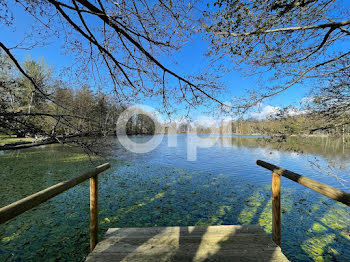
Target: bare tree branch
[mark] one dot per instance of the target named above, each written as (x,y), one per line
(288,29)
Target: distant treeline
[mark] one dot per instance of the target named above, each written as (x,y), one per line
(303,124)
(57,110)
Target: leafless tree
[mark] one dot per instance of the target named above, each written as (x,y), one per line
(287,43)
(127,41)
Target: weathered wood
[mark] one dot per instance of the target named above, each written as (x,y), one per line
(93,212)
(26,145)
(17,143)
(192,231)
(243,255)
(319,187)
(195,243)
(134,244)
(276,208)
(49,141)
(19,207)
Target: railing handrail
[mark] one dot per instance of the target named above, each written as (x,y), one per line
(319,187)
(16,208)
(13,210)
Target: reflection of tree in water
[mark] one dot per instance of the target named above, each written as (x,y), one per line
(313,227)
(141,195)
(322,146)
(333,152)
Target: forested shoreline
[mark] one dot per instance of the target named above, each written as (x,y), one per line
(300,125)
(61,112)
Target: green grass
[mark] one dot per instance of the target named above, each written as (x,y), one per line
(5,139)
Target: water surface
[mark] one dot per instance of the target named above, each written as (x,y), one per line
(163,188)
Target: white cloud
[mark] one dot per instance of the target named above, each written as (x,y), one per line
(264,112)
(180,120)
(295,112)
(227,119)
(307,99)
(205,121)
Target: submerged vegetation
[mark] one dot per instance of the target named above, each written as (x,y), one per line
(139,193)
(121,54)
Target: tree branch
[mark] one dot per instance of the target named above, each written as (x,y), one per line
(287,29)
(107,20)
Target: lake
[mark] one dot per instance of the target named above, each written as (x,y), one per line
(162,188)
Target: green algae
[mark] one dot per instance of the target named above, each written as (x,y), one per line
(12,139)
(316,227)
(313,228)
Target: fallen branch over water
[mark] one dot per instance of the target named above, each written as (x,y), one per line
(22,146)
(48,141)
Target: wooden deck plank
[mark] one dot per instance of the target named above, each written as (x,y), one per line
(213,243)
(190,230)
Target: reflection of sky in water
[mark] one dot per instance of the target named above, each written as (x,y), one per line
(237,156)
(224,186)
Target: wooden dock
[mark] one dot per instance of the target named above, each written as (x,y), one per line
(199,243)
(193,243)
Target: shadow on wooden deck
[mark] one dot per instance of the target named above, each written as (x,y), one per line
(193,243)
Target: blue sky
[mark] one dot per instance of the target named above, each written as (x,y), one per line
(189,59)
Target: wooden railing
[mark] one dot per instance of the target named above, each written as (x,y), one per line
(319,187)
(23,205)
(19,207)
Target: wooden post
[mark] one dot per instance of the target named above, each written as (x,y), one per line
(276,208)
(10,211)
(319,187)
(93,212)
